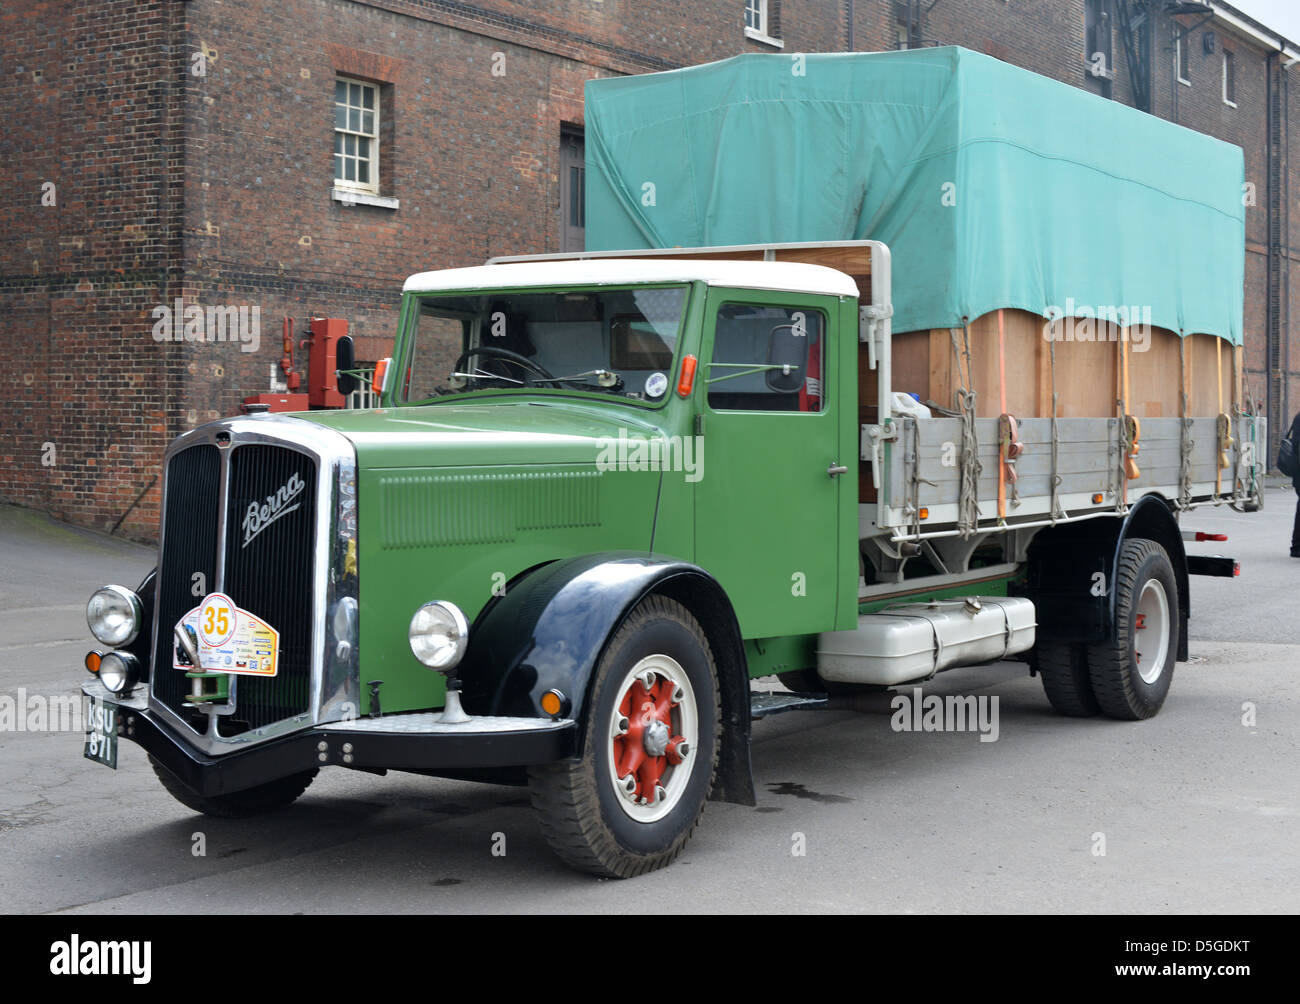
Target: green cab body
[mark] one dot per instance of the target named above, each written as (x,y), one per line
(577,471)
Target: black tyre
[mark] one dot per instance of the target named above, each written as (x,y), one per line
(238,804)
(1063,667)
(1131,674)
(631,802)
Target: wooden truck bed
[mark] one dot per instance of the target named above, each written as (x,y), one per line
(1185,392)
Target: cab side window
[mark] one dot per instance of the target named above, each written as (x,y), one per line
(767,358)
(439,341)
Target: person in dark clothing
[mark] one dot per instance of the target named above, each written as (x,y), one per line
(1294,436)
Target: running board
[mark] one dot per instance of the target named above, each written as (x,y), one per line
(763,704)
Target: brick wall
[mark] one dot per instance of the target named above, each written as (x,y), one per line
(215,186)
(89,245)
(475,102)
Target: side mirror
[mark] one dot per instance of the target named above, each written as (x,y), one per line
(345,360)
(787,348)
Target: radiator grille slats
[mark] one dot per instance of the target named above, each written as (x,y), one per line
(189,559)
(269,569)
(270,560)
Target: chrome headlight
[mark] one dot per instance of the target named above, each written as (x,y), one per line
(119,672)
(439,635)
(114,614)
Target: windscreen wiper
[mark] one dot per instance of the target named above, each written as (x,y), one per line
(604,378)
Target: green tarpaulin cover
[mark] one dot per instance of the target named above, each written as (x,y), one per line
(993,186)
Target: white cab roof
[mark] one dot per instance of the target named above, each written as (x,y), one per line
(792,277)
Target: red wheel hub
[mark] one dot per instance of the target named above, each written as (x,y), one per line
(649,747)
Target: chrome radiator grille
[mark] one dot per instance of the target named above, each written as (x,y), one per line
(267,567)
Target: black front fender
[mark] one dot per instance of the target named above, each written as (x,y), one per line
(549,630)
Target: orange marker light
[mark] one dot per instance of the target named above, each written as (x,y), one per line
(925,512)
(381,371)
(92,661)
(687,380)
(552,702)
(1096,499)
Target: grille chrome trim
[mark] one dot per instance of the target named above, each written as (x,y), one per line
(333,687)
(223,514)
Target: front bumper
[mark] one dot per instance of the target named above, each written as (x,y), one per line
(412,741)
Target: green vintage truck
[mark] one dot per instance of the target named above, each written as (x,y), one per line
(604,492)
(599,498)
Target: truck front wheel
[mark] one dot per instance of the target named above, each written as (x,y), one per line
(1131,673)
(237,804)
(631,802)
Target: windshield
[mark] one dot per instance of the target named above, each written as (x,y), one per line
(615,341)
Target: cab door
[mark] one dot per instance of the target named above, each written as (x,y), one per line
(776,487)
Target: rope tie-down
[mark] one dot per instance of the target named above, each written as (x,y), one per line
(1222,423)
(1185,441)
(969,467)
(1130,429)
(1057,512)
(1009,445)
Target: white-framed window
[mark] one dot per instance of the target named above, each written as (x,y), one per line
(760,18)
(1229,79)
(1182,62)
(356,135)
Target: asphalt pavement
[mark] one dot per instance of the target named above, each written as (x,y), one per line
(1195,810)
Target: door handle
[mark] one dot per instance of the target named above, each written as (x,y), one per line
(836,469)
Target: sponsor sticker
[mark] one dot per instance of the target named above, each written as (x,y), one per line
(231,640)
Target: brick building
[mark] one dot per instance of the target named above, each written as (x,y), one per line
(300,158)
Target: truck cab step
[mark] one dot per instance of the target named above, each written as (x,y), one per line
(763,704)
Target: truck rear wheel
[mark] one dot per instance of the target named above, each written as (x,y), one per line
(238,804)
(1063,667)
(630,804)
(1131,673)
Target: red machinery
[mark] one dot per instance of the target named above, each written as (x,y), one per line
(322,379)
